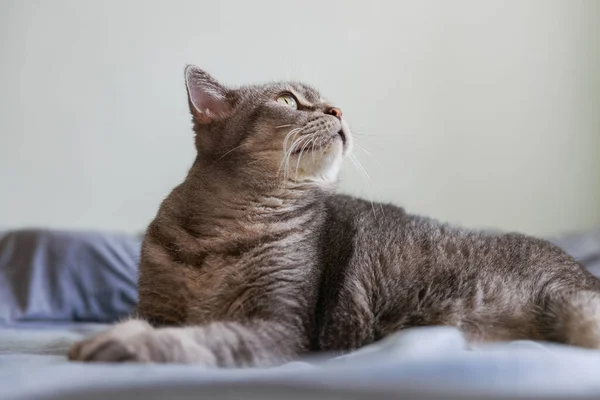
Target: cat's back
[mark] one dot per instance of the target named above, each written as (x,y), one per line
(385,269)
(398,237)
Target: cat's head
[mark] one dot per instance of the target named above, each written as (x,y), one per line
(279,132)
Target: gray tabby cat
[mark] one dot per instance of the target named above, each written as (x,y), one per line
(254,260)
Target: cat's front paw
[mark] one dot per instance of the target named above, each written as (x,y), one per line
(114,345)
(137,341)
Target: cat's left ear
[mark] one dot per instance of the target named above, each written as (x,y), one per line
(208,99)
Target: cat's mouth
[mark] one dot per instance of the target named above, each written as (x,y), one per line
(306,149)
(323,144)
(343,136)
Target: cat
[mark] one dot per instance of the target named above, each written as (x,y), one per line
(254,260)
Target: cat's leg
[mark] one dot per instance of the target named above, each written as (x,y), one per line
(220,344)
(348,322)
(572,318)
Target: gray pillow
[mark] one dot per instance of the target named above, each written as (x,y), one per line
(584,247)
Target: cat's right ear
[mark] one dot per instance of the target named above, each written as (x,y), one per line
(207,98)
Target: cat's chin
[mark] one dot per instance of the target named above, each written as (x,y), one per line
(346,138)
(328,167)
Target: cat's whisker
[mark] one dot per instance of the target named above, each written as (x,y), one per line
(368,153)
(356,164)
(358,146)
(306,140)
(365,175)
(370,182)
(301,141)
(312,137)
(229,151)
(362,169)
(311,144)
(288,135)
(288,153)
(369,135)
(312,151)
(365,171)
(284,126)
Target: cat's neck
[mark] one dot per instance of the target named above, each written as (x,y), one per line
(219,217)
(213,197)
(213,215)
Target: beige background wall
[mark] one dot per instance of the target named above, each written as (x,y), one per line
(484,113)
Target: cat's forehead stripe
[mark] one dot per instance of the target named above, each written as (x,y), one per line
(305,95)
(303,100)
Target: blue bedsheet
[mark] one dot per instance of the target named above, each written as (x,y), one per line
(424,363)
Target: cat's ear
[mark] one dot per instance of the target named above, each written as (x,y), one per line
(207,98)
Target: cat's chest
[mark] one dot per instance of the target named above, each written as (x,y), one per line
(214,286)
(224,287)
(226,279)
(190,293)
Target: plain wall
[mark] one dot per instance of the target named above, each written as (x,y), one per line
(483,113)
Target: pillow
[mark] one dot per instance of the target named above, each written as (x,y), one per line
(48,275)
(584,247)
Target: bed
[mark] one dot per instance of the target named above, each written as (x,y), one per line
(57,287)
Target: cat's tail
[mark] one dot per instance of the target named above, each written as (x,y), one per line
(573,318)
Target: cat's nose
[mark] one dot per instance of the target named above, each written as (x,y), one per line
(336,112)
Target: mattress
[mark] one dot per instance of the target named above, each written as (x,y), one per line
(420,363)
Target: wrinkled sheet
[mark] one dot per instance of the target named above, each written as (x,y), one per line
(423,363)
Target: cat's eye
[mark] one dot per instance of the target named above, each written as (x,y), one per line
(288,100)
